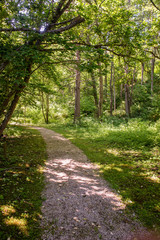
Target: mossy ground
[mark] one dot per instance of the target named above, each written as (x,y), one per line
(21,184)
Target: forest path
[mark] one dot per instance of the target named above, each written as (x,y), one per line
(79,204)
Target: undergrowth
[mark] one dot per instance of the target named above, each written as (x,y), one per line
(21,184)
(128,153)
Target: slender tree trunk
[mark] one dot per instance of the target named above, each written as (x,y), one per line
(43,106)
(111,90)
(77,90)
(127,100)
(106,85)
(142,73)
(95,93)
(152,72)
(114,88)
(121,91)
(133,80)
(100,105)
(47,108)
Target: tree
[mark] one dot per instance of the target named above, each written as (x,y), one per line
(31,26)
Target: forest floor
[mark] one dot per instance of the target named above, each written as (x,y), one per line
(78,203)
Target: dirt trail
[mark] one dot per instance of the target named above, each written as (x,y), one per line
(79,204)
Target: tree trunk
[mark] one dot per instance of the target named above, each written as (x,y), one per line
(47,108)
(114,89)
(121,91)
(127,100)
(111,90)
(152,72)
(77,90)
(42,106)
(5,103)
(133,80)
(95,93)
(10,111)
(106,85)
(142,73)
(100,105)
(15,100)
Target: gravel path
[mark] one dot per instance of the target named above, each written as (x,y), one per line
(79,204)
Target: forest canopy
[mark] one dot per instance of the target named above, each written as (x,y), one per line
(79,57)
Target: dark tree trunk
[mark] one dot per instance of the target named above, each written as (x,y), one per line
(6,102)
(10,111)
(15,100)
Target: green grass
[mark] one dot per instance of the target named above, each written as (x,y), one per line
(128,153)
(21,183)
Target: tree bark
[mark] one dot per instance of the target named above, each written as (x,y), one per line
(15,100)
(95,94)
(152,72)
(100,104)
(111,90)
(114,89)
(142,73)
(121,91)
(133,80)
(6,102)
(106,85)
(47,108)
(77,90)
(127,100)
(10,111)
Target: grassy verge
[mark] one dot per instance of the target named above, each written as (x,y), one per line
(129,157)
(21,184)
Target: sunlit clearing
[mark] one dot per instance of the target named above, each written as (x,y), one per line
(21,224)
(7,210)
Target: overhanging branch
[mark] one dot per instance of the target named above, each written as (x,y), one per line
(155,5)
(75,21)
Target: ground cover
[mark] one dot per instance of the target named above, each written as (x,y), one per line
(21,183)
(128,153)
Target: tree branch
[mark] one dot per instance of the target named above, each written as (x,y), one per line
(155,5)
(18,30)
(74,22)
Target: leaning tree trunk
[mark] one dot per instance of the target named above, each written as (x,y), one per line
(6,102)
(77,90)
(15,101)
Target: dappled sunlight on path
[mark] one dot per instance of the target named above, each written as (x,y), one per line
(79,204)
